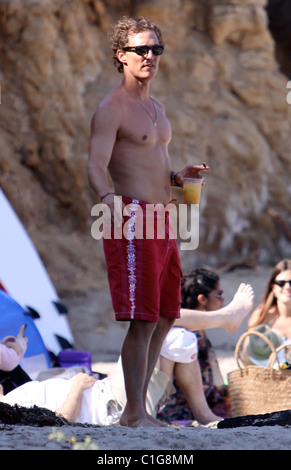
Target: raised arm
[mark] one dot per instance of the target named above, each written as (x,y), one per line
(12,349)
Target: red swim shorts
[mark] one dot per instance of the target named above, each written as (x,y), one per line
(144,274)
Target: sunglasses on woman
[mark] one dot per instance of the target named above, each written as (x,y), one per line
(144,50)
(282,283)
(219,295)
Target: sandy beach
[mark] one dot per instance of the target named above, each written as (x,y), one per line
(178,439)
(104,343)
(224,85)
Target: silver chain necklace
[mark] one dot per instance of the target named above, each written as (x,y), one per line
(154,120)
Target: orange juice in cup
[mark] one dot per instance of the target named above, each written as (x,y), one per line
(192,190)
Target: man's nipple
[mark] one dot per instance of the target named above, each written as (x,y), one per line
(144,137)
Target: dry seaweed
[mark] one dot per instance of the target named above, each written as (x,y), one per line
(34,416)
(277,418)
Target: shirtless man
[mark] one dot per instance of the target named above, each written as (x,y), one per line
(129,137)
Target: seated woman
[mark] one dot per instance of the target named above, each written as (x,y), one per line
(274,309)
(201,292)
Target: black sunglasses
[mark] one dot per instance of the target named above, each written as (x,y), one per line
(219,295)
(282,283)
(144,50)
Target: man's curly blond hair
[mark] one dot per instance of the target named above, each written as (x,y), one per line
(126,27)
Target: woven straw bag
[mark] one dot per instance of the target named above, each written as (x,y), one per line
(257,390)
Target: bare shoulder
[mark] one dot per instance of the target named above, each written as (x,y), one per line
(158,104)
(108,110)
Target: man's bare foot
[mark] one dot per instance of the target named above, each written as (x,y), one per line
(1,391)
(142,421)
(239,307)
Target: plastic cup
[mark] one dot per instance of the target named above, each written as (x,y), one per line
(192,190)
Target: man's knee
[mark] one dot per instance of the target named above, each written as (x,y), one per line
(141,327)
(164,324)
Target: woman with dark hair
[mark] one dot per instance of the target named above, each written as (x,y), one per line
(201,291)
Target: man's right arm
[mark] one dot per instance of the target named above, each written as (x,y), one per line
(104,129)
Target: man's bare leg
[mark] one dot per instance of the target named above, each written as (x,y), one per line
(134,355)
(140,352)
(162,328)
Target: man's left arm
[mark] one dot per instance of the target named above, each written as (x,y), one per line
(190,171)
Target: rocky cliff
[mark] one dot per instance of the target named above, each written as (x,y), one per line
(224,93)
